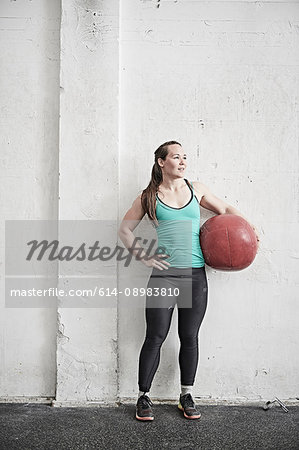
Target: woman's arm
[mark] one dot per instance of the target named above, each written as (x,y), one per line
(212,203)
(130,221)
(128,224)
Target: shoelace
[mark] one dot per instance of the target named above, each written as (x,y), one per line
(188,401)
(145,400)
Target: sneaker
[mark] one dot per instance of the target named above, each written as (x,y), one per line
(186,404)
(143,408)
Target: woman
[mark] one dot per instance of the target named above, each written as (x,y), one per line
(170,197)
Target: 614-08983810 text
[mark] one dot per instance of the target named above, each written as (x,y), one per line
(97,291)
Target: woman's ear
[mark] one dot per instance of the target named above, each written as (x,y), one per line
(160,160)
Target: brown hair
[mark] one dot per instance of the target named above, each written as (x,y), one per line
(148,196)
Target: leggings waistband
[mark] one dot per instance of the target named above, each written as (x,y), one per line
(177,272)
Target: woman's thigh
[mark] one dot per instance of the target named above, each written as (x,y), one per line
(162,291)
(160,303)
(192,303)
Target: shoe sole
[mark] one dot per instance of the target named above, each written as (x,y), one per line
(144,418)
(188,417)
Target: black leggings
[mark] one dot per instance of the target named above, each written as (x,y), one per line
(158,320)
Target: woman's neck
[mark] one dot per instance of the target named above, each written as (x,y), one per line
(171,184)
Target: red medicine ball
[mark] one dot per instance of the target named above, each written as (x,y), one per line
(228,242)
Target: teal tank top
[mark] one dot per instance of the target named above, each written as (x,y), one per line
(178,232)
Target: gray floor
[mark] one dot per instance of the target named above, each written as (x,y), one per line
(36,426)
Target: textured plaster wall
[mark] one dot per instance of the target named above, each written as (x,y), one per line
(29,119)
(222,79)
(88,188)
(89,91)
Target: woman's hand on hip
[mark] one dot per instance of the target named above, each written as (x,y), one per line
(156,261)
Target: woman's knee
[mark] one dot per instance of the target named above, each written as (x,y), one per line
(155,341)
(189,341)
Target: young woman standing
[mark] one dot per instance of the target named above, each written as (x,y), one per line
(168,198)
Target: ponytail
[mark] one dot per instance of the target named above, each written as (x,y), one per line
(148,196)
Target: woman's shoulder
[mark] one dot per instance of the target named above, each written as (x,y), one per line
(199,187)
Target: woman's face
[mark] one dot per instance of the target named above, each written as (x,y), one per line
(175,163)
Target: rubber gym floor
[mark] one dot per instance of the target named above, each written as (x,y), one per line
(39,426)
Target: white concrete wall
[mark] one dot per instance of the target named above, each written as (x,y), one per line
(29,80)
(88,189)
(222,79)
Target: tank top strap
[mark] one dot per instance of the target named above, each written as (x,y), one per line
(194,195)
(190,184)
